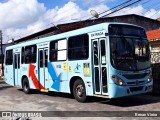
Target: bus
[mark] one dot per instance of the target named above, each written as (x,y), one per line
(108,60)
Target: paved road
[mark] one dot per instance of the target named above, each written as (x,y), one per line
(13,99)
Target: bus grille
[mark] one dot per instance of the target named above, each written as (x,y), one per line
(135,89)
(135,83)
(135,76)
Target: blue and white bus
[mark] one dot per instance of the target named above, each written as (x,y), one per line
(107,60)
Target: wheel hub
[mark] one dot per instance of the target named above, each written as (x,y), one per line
(79,90)
(25,87)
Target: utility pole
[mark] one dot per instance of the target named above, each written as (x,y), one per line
(1,51)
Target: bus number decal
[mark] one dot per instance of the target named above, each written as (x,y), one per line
(34,78)
(56,78)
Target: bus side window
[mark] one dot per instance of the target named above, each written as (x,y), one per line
(30,54)
(46,58)
(78,47)
(84,53)
(53,50)
(53,55)
(27,60)
(23,55)
(9,57)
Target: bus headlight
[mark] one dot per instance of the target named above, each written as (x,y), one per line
(149,77)
(118,81)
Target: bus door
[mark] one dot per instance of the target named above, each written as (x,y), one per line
(42,65)
(16,68)
(99,66)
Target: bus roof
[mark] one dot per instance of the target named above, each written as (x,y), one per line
(93,28)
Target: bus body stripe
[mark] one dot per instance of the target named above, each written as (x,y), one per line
(35,81)
(54,76)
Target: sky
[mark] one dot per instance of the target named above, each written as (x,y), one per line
(20,18)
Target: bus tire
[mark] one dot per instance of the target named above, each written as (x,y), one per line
(26,87)
(79,91)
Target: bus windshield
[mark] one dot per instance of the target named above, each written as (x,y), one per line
(129,52)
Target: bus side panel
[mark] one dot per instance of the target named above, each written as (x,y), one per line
(81,69)
(58,77)
(8,72)
(25,70)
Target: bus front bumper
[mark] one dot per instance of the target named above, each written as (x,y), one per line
(116,91)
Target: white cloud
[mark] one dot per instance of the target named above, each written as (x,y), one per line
(35,18)
(29,16)
(154,14)
(92,3)
(69,12)
(17,13)
(130,10)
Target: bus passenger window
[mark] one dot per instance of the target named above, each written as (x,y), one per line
(30,54)
(27,60)
(46,58)
(9,57)
(23,55)
(53,50)
(78,47)
(84,53)
(53,56)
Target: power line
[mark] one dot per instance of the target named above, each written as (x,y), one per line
(113,8)
(133,8)
(155,13)
(122,8)
(154,4)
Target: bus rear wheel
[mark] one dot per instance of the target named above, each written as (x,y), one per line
(79,91)
(26,87)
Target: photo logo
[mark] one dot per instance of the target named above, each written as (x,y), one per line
(6,114)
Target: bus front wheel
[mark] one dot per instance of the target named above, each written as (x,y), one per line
(26,87)
(79,91)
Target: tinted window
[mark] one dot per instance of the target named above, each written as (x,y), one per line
(23,55)
(78,47)
(126,30)
(129,53)
(9,57)
(17,61)
(53,50)
(30,54)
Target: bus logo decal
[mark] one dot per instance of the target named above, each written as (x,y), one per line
(77,68)
(54,76)
(36,83)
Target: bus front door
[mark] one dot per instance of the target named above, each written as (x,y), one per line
(16,69)
(100,66)
(43,67)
